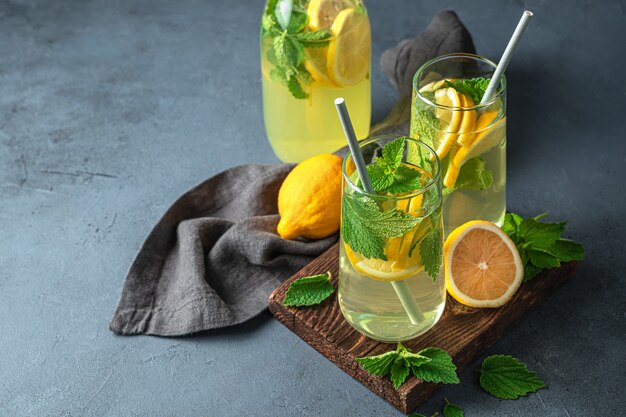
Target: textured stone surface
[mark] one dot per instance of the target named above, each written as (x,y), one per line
(111,109)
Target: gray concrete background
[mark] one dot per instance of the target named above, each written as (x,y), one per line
(111,109)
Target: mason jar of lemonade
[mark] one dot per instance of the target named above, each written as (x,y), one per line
(313,51)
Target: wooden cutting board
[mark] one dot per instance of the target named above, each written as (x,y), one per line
(464,332)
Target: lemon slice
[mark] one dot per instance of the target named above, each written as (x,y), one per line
(450,120)
(349,50)
(484,140)
(432,87)
(468,122)
(482,265)
(316,63)
(322,13)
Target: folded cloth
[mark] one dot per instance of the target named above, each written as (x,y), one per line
(214,257)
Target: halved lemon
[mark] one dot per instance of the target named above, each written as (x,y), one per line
(450,120)
(322,13)
(349,50)
(482,265)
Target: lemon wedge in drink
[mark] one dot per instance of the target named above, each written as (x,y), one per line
(450,120)
(322,13)
(349,49)
(485,138)
(482,265)
(468,122)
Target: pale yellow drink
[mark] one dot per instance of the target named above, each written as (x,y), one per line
(323,53)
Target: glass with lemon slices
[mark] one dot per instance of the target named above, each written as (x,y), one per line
(469,137)
(391,285)
(313,51)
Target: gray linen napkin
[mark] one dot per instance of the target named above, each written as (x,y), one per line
(214,257)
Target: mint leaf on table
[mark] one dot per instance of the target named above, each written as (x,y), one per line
(505,377)
(431,253)
(432,363)
(474,88)
(309,291)
(366,228)
(540,243)
(452,410)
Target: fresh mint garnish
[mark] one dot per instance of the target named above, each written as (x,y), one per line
(474,88)
(473,175)
(505,377)
(308,291)
(366,228)
(540,244)
(430,364)
(431,254)
(424,126)
(286,25)
(389,175)
(452,410)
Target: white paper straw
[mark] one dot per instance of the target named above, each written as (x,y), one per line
(506,56)
(401,288)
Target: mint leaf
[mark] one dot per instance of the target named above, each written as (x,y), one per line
(474,88)
(507,378)
(318,39)
(309,291)
(474,176)
(567,250)
(399,371)
(452,410)
(365,228)
(439,369)
(393,152)
(287,52)
(424,126)
(379,364)
(379,177)
(404,180)
(297,22)
(431,253)
(540,244)
(295,88)
(542,259)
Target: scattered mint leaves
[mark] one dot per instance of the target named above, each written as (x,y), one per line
(505,377)
(540,244)
(308,291)
(452,410)
(365,227)
(431,253)
(430,364)
(474,88)
(285,24)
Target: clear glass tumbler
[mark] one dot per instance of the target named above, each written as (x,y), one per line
(312,52)
(391,284)
(469,137)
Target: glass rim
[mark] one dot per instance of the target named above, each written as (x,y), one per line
(433,180)
(499,92)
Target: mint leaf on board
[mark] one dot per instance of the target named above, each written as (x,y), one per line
(308,291)
(431,253)
(474,88)
(365,228)
(452,410)
(440,368)
(505,377)
(540,243)
(398,364)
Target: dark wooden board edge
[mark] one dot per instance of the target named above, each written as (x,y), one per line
(413,392)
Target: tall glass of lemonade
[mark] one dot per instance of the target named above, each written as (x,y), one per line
(469,137)
(313,51)
(391,285)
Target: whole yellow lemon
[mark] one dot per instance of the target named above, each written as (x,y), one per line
(309,200)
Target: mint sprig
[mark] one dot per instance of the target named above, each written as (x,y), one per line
(366,228)
(540,243)
(505,377)
(389,175)
(430,364)
(308,291)
(474,88)
(287,27)
(452,410)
